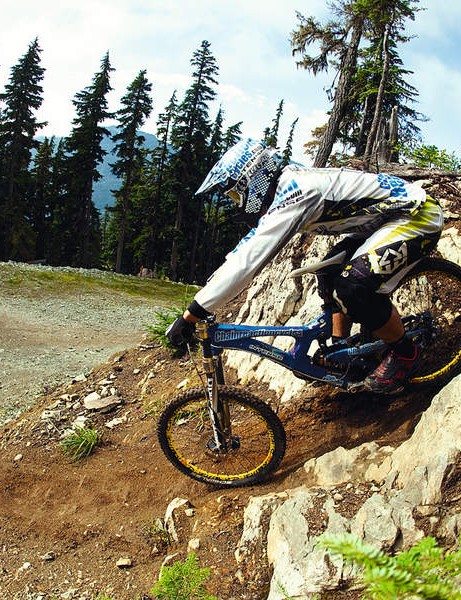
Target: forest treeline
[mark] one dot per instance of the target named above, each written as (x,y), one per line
(46,206)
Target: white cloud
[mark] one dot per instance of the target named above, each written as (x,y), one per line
(250,41)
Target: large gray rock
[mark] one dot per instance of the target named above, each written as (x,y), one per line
(397,486)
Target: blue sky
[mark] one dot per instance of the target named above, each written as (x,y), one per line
(250,40)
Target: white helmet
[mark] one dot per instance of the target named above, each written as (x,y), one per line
(245,173)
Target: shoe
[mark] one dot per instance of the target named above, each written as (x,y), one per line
(392,374)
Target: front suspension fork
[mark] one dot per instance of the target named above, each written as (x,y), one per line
(217,409)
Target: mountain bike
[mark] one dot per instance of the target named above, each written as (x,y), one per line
(225,436)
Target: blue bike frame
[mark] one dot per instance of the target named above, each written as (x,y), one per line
(298,360)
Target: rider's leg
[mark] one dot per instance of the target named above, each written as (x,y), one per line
(326,284)
(378,315)
(374,271)
(392,330)
(341,325)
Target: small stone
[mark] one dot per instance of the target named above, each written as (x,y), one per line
(92,397)
(70,594)
(94,402)
(79,378)
(18,458)
(239,576)
(79,421)
(136,371)
(194,544)
(117,421)
(124,563)
(338,497)
(190,512)
(182,384)
(48,556)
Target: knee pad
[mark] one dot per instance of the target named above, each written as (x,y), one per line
(362,303)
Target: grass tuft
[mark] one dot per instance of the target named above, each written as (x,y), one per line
(81,442)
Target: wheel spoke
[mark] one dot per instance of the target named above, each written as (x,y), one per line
(436,293)
(256,448)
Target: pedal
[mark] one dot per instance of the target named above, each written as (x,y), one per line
(359,386)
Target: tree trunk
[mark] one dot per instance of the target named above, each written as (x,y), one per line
(393,155)
(175,246)
(120,245)
(341,98)
(372,137)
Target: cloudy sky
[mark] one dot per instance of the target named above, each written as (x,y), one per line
(250,41)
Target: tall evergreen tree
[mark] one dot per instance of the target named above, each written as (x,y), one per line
(153,200)
(85,153)
(387,23)
(272,133)
(42,197)
(189,138)
(160,207)
(136,108)
(288,150)
(339,43)
(399,96)
(18,126)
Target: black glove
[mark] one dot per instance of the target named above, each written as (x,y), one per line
(180,332)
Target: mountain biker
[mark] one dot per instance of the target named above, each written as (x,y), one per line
(390,225)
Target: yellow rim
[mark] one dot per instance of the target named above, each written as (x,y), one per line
(222,477)
(438,373)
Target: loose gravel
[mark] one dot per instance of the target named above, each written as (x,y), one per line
(52,340)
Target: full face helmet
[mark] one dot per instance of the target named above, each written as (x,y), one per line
(246,173)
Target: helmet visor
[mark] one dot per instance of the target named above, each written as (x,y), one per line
(235,196)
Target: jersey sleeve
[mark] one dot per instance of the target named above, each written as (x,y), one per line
(255,250)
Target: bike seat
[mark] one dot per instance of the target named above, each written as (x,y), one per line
(320,267)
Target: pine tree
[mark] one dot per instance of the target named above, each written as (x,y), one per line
(399,96)
(153,200)
(388,20)
(85,153)
(18,127)
(339,43)
(189,138)
(43,197)
(136,108)
(271,134)
(288,151)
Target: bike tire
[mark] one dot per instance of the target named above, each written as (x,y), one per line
(434,285)
(184,430)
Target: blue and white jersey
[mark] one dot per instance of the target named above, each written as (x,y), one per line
(326,201)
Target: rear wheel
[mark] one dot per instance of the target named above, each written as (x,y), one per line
(186,437)
(430,298)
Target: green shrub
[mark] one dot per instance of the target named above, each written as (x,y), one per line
(424,572)
(81,442)
(183,581)
(434,158)
(163,318)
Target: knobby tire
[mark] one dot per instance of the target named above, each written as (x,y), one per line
(184,432)
(434,285)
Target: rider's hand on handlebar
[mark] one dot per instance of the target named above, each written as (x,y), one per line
(180,332)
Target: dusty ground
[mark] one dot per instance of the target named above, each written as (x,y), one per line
(65,525)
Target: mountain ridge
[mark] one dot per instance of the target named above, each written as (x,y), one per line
(102,189)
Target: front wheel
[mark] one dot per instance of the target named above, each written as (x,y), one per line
(429,299)
(185,436)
